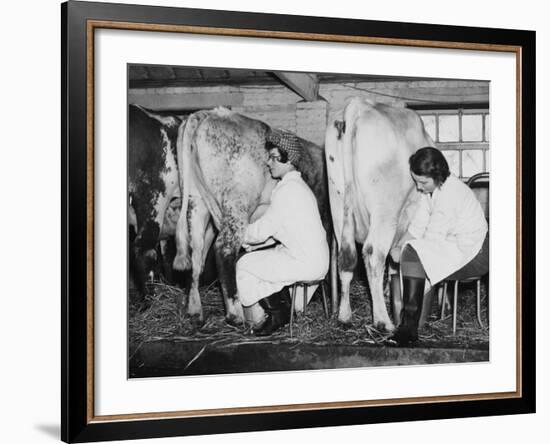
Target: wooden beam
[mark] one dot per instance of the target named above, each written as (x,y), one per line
(183,101)
(428,95)
(305,85)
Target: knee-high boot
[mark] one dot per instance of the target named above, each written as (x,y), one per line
(395,292)
(413,295)
(277,308)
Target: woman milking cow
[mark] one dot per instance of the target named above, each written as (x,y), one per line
(446,239)
(292,229)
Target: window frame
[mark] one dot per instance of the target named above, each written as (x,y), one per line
(460,146)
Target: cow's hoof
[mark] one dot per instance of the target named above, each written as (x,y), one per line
(345,325)
(195,310)
(345,317)
(234,321)
(385,327)
(196,321)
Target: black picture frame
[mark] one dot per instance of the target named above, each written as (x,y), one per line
(79,19)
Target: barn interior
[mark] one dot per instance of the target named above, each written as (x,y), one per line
(456,114)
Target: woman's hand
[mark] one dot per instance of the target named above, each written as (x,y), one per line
(251,247)
(395,254)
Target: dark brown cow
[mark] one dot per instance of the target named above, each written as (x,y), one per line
(154,192)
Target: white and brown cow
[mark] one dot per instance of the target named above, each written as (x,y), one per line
(226,185)
(154,192)
(371,191)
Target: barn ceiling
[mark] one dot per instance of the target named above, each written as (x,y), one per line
(413,91)
(153,76)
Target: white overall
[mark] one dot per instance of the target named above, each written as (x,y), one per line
(449,229)
(303,254)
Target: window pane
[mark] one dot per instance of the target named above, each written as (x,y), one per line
(488,160)
(452,157)
(472,127)
(448,128)
(487,127)
(472,162)
(429,124)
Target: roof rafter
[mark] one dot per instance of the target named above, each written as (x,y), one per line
(304,84)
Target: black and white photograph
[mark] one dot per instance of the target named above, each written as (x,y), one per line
(285,221)
(179,175)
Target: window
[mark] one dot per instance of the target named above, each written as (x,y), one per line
(463,137)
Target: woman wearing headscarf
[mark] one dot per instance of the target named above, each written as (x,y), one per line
(293,222)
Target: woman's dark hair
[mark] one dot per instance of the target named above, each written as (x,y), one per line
(284,155)
(430,162)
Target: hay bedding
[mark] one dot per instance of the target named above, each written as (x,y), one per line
(166,318)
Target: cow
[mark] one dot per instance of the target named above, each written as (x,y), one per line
(153,186)
(372,194)
(227,185)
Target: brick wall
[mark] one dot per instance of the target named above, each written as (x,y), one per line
(311,119)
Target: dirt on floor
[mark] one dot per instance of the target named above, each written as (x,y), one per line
(163,317)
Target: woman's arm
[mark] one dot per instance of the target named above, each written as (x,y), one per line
(444,215)
(266,226)
(259,231)
(420,219)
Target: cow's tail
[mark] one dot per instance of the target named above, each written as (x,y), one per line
(202,188)
(186,131)
(351,114)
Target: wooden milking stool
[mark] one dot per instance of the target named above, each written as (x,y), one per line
(305,285)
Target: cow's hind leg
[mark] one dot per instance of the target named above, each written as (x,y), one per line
(347,259)
(375,252)
(227,247)
(201,237)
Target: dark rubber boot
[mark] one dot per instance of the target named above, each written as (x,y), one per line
(397,302)
(277,307)
(413,295)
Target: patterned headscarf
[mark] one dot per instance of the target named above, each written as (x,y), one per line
(287,142)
